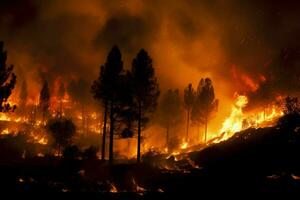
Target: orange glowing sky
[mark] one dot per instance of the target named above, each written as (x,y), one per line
(235,43)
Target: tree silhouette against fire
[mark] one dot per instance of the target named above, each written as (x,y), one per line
(189,99)
(132,106)
(205,105)
(7,81)
(129,98)
(45,101)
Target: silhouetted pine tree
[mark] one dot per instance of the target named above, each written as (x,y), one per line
(125,108)
(189,98)
(291,105)
(205,104)
(106,88)
(291,117)
(45,101)
(7,81)
(62,130)
(99,91)
(145,91)
(126,111)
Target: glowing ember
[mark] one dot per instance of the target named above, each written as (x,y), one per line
(166,150)
(113,188)
(184,145)
(4,117)
(5,132)
(43,141)
(175,153)
(40,155)
(21,180)
(138,188)
(38,138)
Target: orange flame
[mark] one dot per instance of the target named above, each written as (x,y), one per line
(238,121)
(234,122)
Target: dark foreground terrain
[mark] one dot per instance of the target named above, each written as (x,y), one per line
(254,161)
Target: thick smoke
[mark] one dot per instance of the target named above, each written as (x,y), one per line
(246,46)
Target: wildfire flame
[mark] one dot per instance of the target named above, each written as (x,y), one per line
(113,188)
(88,121)
(234,122)
(184,145)
(40,139)
(4,117)
(238,120)
(5,132)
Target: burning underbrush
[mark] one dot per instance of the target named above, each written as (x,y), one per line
(175,157)
(252,158)
(239,120)
(178,157)
(174,162)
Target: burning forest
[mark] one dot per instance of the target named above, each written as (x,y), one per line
(141,99)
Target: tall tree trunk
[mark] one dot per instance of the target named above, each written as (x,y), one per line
(111,134)
(205,137)
(139,133)
(104,130)
(187,126)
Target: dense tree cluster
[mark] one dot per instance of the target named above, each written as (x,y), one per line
(128,97)
(291,117)
(61,130)
(7,81)
(189,99)
(45,101)
(200,104)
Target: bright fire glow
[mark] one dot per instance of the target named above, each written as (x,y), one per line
(89,122)
(238,121)
(4,117)
(184,145)
(113,188)
(5,132)
(43,141)
(234,122)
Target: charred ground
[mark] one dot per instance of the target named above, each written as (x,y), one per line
(254,161)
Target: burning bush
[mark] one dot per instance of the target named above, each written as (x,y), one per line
(90,153)
(71,152)
(291,119)
(62,130)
